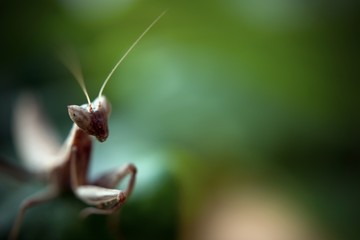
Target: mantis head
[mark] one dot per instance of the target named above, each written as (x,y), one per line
(92,118)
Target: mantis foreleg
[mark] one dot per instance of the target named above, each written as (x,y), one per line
(101,195)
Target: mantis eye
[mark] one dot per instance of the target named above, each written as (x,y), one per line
(105,104)
(79,115)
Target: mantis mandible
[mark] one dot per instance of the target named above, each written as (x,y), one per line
(68,169)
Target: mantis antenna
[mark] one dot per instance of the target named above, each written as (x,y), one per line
(128,51)
(73,65)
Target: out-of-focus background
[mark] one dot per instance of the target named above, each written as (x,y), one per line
(241,116)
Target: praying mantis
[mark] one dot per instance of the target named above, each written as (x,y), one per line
(67,171)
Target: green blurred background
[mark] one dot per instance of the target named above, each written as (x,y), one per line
(225,107)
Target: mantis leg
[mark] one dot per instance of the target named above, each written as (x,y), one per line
(29,202)
(111,179)
(101,194)
(93,210)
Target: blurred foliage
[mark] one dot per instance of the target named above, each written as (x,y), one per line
(217,94)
